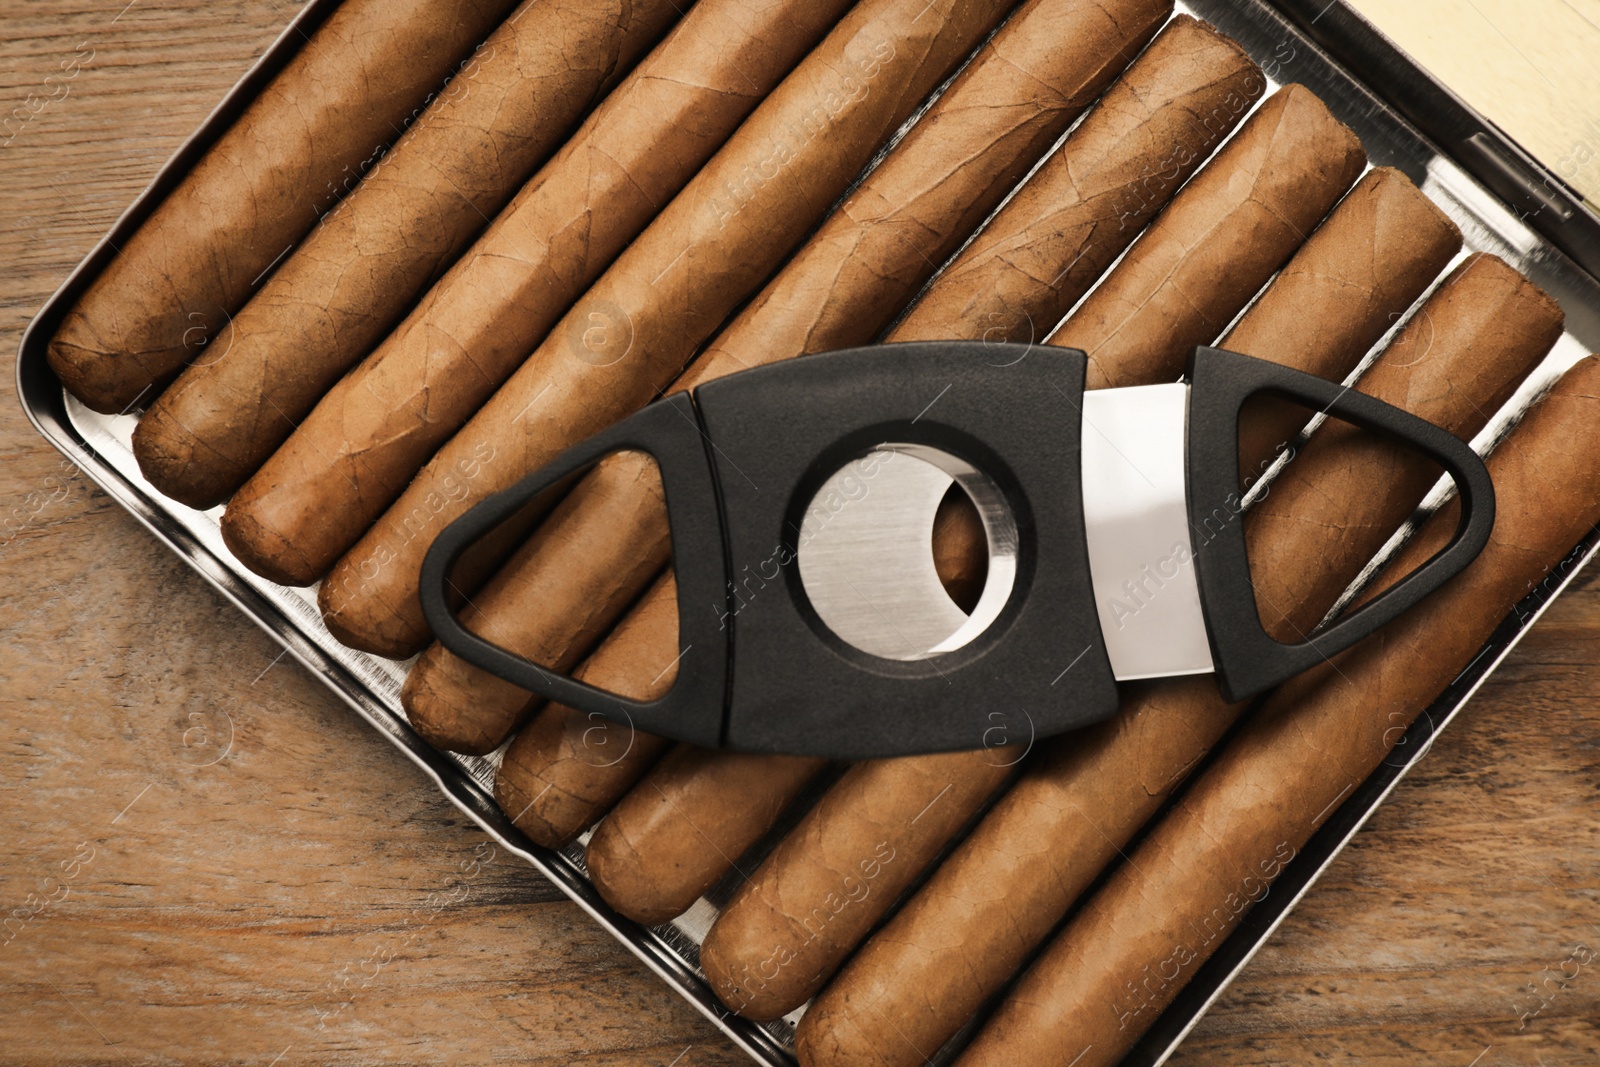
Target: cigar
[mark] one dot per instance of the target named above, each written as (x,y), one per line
(673,836)
(960,549)
(370,434)
(848,281)
(1096,789)
(654,853)
(972,148)
(322,122)
(1213,248)
(1087,203)
(1188,71)
(1121,960)
(1290,154)
(567,765)
(638,325)
(1385,244)
(841,868)
(1146,118)
(350,281)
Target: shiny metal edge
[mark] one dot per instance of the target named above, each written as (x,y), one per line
(1487,222)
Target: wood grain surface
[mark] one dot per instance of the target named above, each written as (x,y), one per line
(219,863)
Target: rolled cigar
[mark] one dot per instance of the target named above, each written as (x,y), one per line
(1121,960)
(1067,224)
(367,437)
(869,257)
(1351,282)
(841,868)
(996,898)
(1290,154)
(323,120)
(955,943)
(633,331)
(960,549)
(674,836)
(1485,305)
(567,766)
(649,854)
(355,275)
(1213,248)
(1039,73)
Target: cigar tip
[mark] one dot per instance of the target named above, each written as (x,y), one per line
(170,458)
(1187,30)
(364,638)
(433,718)
(854,1029)
(1489,269)
(261,548)
(513,794)
(1299,97)
(816,1041)
(357,614)
(89,373)
(616,871)
(439,721)
(1392,183)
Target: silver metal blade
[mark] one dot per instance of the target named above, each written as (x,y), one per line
(1141,560)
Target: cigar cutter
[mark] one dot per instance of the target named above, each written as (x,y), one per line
(811,617)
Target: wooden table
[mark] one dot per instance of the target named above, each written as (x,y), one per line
(227,866)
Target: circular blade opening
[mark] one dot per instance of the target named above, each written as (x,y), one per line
(866,552)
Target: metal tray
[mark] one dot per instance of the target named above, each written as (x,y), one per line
(1504,202)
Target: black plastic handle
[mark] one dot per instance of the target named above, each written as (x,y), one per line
(1247,659)
(736,510)
(693,709)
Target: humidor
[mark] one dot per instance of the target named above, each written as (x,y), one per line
(1504,202)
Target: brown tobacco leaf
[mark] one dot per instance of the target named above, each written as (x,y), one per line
(675,834)
(1088,202)
(1201,261)
(835,874)
(1350,283)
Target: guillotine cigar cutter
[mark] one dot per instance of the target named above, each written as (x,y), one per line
(801,498)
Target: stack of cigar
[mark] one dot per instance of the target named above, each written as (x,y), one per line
(350,342)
